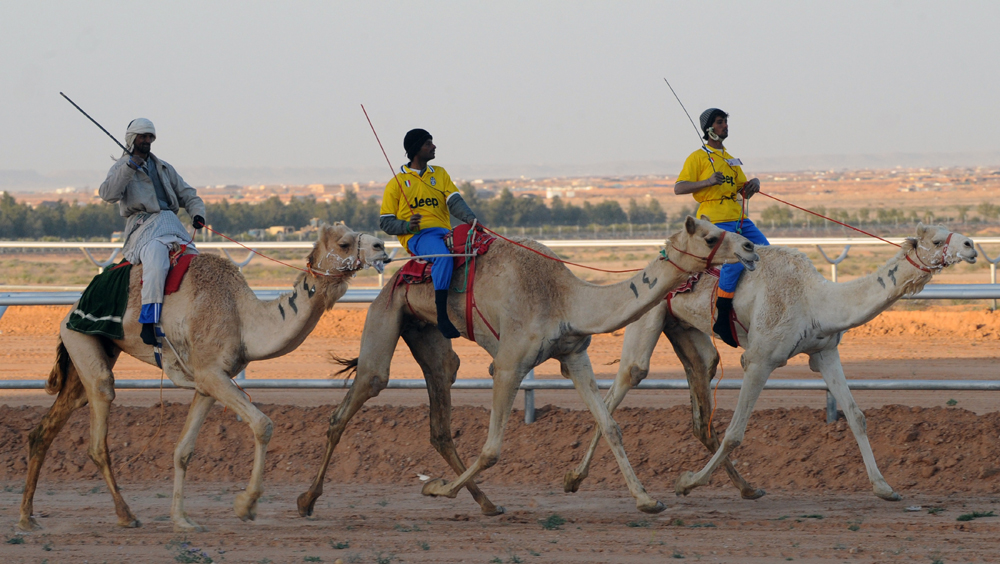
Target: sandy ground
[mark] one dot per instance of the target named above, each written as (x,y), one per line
(941,455)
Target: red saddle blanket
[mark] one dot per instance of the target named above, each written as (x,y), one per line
(417,271)
(179,263)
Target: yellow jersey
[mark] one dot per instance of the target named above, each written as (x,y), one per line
(721,202)
(410,193)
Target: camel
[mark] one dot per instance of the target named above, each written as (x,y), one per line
(539,310)
(788,308)
(216,326)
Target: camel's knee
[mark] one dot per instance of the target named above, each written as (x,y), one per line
(440,440)
(489,457)
(182,456)
(637,374)
(729,444)
(104,389)
(263,429)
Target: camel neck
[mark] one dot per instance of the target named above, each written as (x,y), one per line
(850,304)
(602,309)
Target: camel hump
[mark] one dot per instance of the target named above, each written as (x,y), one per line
(57,377)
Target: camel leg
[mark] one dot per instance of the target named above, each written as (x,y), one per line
(700,359)
(754,377)
(828,364)
(101,393)
(505,384)
(200,407)
(71,397)
(221,388)
(439,363)
(371,378)
(577,367)
(640,341)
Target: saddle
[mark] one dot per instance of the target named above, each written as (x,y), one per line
(688,285)
(459,241)
(104,301)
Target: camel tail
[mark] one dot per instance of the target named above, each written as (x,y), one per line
(57,378)
(350,365)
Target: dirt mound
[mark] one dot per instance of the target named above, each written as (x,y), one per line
(934,324)
(927,450)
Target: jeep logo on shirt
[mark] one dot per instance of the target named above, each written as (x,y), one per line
(428,202)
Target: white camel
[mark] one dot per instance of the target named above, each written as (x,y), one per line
(539,310)
(787,308)
(217,326)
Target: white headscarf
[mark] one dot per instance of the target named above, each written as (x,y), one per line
(138,125)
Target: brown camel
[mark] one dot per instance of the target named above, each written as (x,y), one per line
(540,310)
(217,326)
(788,309)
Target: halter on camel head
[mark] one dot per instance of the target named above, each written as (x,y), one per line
(931,268)
(708,259)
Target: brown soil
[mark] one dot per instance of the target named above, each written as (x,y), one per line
(936,456)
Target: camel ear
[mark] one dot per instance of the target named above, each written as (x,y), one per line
(690,225)
(921,229)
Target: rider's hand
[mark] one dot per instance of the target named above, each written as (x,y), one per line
(717,179)
(198,222)
(750,188)
(415,222)
(135,163)
(479,226)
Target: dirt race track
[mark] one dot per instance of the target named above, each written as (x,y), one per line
(940,450)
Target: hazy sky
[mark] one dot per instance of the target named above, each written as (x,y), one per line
(279,84)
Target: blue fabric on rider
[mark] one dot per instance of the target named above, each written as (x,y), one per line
(729,275)
(430,241)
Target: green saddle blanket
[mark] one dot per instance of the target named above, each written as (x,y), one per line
(103,303)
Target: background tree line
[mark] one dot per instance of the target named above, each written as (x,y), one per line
(62,220)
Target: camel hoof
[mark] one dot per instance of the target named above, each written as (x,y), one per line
(572,481)
(306,503)
(132,523)
(28,524)
(651,508)
(185,525)
(754,493)
(493,512)
(245,506)
(437,487)
(891,496)
(685,483)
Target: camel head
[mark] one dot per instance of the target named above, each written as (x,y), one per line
(701,245)
(935,247)
(339,251)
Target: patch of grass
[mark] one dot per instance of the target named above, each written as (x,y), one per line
(782,518)
(15,540)
(12,489)
(853,527)
(383,502)
(161,495)
(340,545)
(381,558)
(677,522)
(677,554)
(974,515)
(638,524)
(496,560)
(533,553)
(701,525)
(264,561)
(312,559)
(403,529)
(47,547)
(553,522)
(812,516)
(935,510)
(513,558)
(423,545)
(951,402)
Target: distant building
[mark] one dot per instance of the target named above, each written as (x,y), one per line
(280,229)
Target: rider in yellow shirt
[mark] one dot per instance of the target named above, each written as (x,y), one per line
(716,180)
(417,207)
